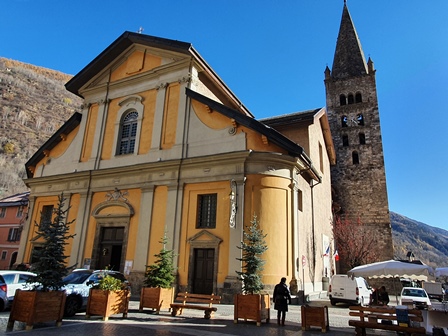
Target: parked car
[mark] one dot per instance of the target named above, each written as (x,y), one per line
(349,290)
(416,296)
(78,284)
(15,280)
(3,295)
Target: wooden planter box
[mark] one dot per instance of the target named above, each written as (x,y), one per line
(315,317)
(34,307)
(256,307)
(106,303)
(156,298)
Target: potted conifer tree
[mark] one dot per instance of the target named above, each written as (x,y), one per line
(158,292)
(252,304)
(108,297)
(45,300)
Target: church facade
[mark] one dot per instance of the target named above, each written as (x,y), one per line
(163,147)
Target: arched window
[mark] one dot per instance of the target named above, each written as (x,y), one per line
(362,139)
(355,158)
(358,97)
(350,99)
(345,140)
(128,133)
(360,119)
(344,121)
(342,99)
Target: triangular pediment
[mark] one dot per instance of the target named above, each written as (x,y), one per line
(204,237)
(122,50)
(137,60)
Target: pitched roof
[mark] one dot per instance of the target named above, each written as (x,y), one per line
(287,119)
(125,41)
(349,58)
(56,138)
(15,200)
(273,135)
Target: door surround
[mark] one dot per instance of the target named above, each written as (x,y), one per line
(203,240)
(106,219)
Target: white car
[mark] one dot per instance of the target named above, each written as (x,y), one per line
(15,280)
(416,296)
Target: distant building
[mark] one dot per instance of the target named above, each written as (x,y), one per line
(13,215)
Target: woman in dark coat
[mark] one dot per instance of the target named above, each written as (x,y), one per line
(282,297)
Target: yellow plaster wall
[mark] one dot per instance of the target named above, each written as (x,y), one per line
(188,228)
(169,125)
(269,198)
(40,202)
(138,62)
(257,142)
(89,134)
(149,101)
(210,118)
(157,222)
(109,130)
(62,146)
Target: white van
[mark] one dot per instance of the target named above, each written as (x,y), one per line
(349,290)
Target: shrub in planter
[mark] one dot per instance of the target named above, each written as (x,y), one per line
(108,297)
(251,304)
(158,292)
(45,301)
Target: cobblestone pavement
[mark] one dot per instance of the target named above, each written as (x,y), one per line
(190,323)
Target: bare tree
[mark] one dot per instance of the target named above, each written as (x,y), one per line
(356,243)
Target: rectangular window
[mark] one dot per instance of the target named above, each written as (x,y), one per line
(206,216)
(321,158)
(2,212)
(14,234)
(46,214)
(4,254)
(299,200)
(20,211)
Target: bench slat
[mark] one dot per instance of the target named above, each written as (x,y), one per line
(368,315)
(393,327)
(193,301)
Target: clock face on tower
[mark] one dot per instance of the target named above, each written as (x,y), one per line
(347,121)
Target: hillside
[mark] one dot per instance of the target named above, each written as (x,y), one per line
(427,243)
(34,103)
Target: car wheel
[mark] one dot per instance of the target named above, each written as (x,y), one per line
(333,302)
(71,306)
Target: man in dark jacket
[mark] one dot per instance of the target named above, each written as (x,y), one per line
(281,297)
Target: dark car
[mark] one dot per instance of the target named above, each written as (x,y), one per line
(3,294)
(78,284)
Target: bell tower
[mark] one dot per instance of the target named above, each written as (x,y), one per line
(358,178)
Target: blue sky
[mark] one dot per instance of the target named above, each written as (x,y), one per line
(272,55)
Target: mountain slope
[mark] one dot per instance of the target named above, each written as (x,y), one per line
(34,104)
(427,243)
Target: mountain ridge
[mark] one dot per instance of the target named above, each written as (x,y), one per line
(34,104)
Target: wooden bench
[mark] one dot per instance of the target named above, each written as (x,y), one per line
(386,318)
(195,301)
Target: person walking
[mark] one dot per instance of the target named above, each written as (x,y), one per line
(282,297)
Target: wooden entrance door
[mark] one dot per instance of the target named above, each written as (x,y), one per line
(204,261)
(111,246)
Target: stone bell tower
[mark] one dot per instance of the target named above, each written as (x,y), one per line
(358,178)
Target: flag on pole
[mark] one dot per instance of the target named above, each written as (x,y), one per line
(336,255)
(327,252)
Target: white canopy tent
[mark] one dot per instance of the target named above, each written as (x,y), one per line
(393,269)
(441,271)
